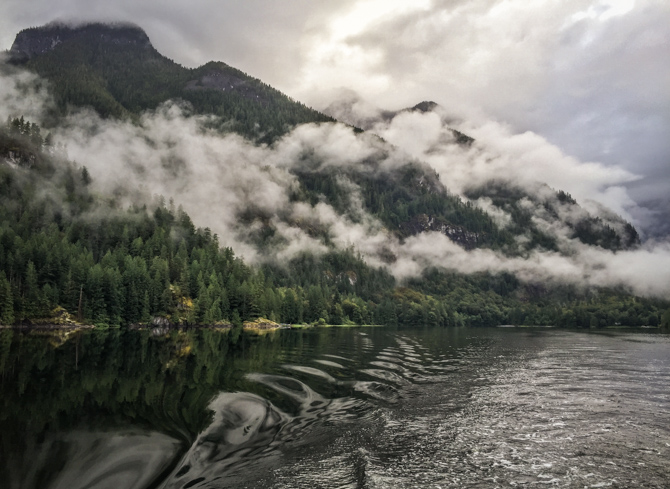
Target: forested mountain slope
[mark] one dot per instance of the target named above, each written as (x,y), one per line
(543,216)
(67,253)
(67,243)
(116,70)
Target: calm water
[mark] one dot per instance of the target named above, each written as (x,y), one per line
(336,408)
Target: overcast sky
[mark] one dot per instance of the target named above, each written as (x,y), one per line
(591,76)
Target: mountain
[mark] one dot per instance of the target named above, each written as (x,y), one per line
(64,236)
(550,208)
(114,69)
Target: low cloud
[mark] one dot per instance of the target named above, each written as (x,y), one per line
(22,94)
(498,154)
(222,180)
(645,271)
(236,188)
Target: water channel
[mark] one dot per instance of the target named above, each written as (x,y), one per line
(335,408)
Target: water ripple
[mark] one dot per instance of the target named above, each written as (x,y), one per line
(551,410)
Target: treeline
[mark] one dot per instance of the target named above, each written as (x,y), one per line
(484,299)
(19,127)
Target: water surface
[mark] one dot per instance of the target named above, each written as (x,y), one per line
(348,408)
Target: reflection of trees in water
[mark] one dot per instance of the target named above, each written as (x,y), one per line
(130,374)
(109,380)
(69,394)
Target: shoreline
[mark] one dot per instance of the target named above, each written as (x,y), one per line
(262,327)
(47,327)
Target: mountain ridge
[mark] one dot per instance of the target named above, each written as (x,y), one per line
(35,41)
(116,70)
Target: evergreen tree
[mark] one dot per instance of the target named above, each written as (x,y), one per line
(31,293)
(6,301)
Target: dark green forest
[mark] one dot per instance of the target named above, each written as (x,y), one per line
(69,255)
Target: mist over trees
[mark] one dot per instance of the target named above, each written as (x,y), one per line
(67,255)
(71,252)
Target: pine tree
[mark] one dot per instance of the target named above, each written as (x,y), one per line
(6,301)
(146,314)
(31,293)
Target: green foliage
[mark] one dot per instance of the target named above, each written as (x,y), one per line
(485,299)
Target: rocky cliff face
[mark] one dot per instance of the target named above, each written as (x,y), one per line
(40,40)
(422,223)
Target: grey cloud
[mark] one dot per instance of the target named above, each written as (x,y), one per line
(263,38)
(218,179)
(645,271)
(22,94)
